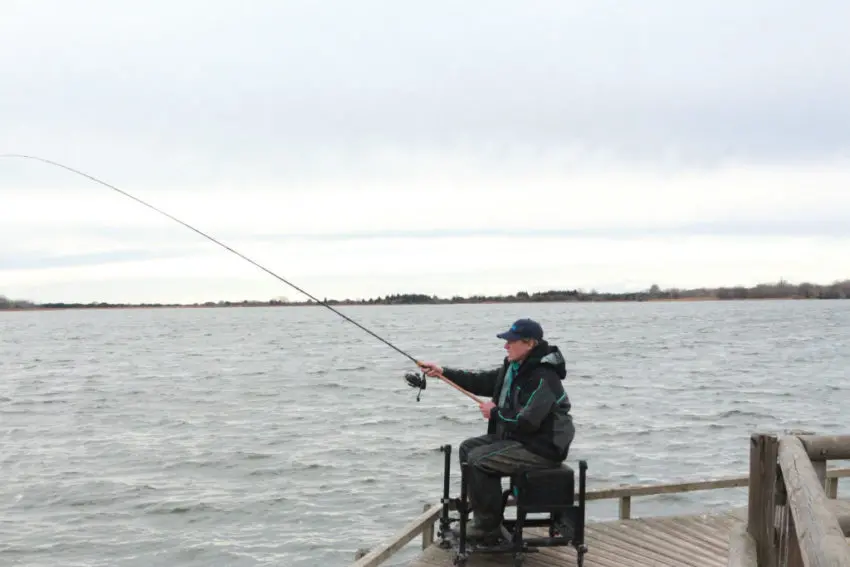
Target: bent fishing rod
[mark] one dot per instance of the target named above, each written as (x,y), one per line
(411,379)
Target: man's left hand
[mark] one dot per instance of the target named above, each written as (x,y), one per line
(486,407)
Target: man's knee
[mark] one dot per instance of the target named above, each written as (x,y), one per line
(477,456)
(464,450)
(504,459)
(471,444)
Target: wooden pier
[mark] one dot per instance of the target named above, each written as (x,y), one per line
(793,518)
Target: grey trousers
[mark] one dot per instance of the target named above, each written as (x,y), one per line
(489,459)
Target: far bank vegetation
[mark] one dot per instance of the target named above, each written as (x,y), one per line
(778,290)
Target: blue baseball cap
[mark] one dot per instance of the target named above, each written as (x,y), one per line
(523,329)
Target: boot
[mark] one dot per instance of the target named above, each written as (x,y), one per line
(487,530)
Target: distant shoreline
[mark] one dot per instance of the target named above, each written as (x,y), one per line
(781,290)
(250,305)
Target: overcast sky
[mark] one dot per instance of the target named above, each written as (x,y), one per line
(365,148)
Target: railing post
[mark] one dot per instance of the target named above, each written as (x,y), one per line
(832,488)
(427,531)
(625,507)
(795,556)
(761,506)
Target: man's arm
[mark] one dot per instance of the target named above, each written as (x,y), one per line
(480,383)
(540,404)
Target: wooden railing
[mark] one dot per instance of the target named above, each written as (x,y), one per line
(791,521)
(424,524)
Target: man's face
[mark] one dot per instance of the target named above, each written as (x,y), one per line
(517,349)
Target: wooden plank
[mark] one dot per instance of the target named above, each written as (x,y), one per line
(840,507)
(424,523)
(597,536)
(625,553)
(826,447)
(668,535)
(715,537)
(674,541)
(666,541)
(650,544)
(385,551)
(818,531)
(742,548)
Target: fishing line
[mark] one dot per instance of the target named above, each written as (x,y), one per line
(247,259)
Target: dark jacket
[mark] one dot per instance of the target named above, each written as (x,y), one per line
(537,411)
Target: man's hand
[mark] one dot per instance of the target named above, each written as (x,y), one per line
(486,408)
(431,369)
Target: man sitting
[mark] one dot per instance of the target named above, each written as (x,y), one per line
(529,421)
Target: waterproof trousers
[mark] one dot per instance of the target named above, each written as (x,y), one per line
(489,459)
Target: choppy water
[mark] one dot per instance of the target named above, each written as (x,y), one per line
(287,436)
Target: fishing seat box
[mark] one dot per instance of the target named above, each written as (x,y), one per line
(543,490)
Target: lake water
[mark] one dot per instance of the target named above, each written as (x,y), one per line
(287,436)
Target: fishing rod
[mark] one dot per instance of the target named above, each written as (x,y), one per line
(413,380)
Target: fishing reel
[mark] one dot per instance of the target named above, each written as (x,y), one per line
(416,381)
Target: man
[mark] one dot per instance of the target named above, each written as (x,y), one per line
(529,422)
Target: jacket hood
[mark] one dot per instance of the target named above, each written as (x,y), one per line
(549,355)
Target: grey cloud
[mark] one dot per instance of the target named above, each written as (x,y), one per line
(158,247)
(836,227)
(37,261)
(200,91)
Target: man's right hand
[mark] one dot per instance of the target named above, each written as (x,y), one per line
(431,368)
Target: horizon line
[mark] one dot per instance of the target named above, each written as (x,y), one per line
(654,291)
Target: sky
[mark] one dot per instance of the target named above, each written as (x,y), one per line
(360,149)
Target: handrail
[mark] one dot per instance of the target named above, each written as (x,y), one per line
(625,493)
(790,519)
(424,523)
(386,550)
(820,540)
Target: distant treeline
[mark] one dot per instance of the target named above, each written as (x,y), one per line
(779,290)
